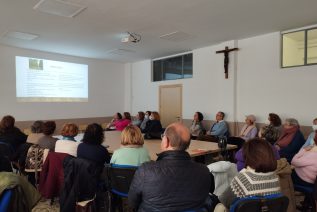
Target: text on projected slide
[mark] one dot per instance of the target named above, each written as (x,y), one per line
(53,81)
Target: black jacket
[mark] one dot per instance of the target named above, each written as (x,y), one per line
(153,129)
(14,137)
(173,183)
(81,179)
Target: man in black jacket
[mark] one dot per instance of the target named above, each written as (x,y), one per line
(174,182)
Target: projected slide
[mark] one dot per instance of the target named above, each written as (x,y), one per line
(40,80)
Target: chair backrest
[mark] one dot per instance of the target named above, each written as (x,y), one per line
(272,203)
(120,177)
(5,200)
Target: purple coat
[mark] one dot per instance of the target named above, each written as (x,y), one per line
(240,160)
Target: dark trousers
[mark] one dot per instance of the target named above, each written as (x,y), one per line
(236,141)
(298,181)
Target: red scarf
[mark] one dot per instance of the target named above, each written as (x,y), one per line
(287,136)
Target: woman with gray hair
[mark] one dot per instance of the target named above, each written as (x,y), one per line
(291,140)
(37,132)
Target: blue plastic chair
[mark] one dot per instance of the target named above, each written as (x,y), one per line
(5,200)
(272,203)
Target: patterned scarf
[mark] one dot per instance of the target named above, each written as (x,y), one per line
(250,183)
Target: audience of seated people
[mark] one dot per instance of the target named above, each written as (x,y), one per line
(119,122)
(153,127)
(272,130)
(260,169)
(248,132)
(139,119)
(117,117)
(68,144)
(36,132)
(174,182)
(48,141)
(132,152)
(219,128)
(10,134)
(197,128)
(310,139)
(91,148)
(305,165)
(291,139)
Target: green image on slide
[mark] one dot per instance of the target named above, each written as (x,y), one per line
(35,64)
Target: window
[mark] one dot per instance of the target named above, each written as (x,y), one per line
(299,48)
(173,68)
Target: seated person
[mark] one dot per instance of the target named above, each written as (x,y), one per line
(10,134)
(36,132)
(132,152)
(305,165)
(252,181)
(145,120)
(219,128)
(174,182)
(116,118)
(240,159)
(125,121)
(47,141)
(197,128)
(68,143)
(310,139)
(272,131)
(248,132)
(291,140)
(153,127)
(91,148)
(139,119)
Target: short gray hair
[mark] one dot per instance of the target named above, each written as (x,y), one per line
(292,122)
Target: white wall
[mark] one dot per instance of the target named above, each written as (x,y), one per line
(256,83)
(106,89)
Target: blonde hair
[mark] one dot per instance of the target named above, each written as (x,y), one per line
(69,130)
(131,135)
(156,115)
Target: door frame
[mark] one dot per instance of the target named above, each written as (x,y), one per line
(181,97)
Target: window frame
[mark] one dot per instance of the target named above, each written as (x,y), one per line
(305,47)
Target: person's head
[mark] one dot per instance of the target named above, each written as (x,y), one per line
(274,120)
(37,127)
(140,116)
(290,123)
(49,127)
(198,117)
(258,155)
(176,137)
(69,130)
(7,123)
(131,135)
(250,119)
(220,116)
(147,114)
(315,124)
(126,115)
(117,116)
(155,116)
(93,134)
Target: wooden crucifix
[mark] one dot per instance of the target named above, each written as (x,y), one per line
(226,60)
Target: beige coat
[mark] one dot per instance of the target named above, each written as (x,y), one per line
(284,172)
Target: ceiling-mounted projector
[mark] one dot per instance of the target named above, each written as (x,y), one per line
(131,37)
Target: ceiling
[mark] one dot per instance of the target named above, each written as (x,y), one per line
(97,31)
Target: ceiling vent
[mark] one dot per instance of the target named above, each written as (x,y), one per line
(176,36)
(20,35)
(60,8)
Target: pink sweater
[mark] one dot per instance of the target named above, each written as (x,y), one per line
(305,165)
(121,124)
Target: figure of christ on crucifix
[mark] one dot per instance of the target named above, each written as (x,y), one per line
(226,60)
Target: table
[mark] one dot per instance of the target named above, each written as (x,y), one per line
(197,148)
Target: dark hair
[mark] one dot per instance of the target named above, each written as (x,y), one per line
(141,115)
(222,113)
(176,139)
(7,124)
(127,115)
(37,127)
(148,112)
(200,116)
(258,154)
(119,115)
(275,119)
(93,134)
(49,127)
